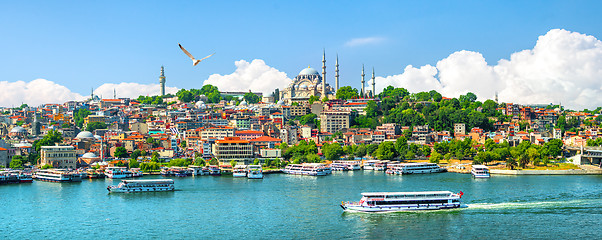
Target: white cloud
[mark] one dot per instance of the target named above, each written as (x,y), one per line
(34,93)
(255,76)
(563,67)
(364,41)
(131,90)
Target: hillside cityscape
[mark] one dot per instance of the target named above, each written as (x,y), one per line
(303,123)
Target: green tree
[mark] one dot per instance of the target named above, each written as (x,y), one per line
(233,163)
(134,163)
(554,147)
(386,151)
(50,139)
(135,154)
(95,125)
(47,166)
(435,157)
(346,92)
(361,151)
(199,161)
(332,151)
(185,95)
(213,161)
(371,149)
(312,99)
(251,98)
(120,152)
(16,162)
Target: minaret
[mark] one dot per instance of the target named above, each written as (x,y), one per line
(114,94)
(362,94)
(336,74)
(323,74)
(373,82)
(162,81)
(92,94)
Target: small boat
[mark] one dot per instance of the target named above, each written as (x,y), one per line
(25,177)
(95,173)
(404,201)
(255,172)
(215,170)
(339,166)
(136,172)
(195,170)
(480,171)
(381,165)
(117,172)
(369,164)
(239,171)
(151,185)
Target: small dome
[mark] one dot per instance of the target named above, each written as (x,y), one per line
(89,155)
(18,129)
(280,102)
(84,135)
(243,103)
(309,71)
(97,137)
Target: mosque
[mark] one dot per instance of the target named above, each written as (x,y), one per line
(310,83)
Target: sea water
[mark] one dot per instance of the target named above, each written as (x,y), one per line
(284,206)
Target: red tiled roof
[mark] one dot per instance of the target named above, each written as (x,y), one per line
(266,139)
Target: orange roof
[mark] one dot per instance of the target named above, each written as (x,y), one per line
(248,132)
(111,100)
(266,139)
(3,149)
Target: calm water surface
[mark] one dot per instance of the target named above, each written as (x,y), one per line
(302,207)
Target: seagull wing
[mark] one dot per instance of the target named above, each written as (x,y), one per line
(186,52)
(206,57)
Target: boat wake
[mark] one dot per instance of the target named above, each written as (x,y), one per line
(528,205)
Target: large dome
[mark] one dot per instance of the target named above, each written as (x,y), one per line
(309,71)
(84,135)
(89,155)
(18,129)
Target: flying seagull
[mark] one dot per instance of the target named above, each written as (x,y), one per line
(194,61)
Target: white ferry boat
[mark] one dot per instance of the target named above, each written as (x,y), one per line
(394,169)
(353,165)
(380,166)
(151,185)
(255,172)
(404,201)
(311,169)
(117,172)
(57,175)
(338,166)
(410,168)
(369,164)
(239,171)
(195,170)
(480,171)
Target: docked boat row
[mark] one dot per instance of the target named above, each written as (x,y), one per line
(349,165)
(310,169)
(15,176)
(191,171)
(248,171)
(404,201)
(414,168)
(134,186)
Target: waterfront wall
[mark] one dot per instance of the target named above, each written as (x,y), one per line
(546,172)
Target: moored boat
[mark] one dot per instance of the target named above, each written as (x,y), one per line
(255,172)
(57,175)
(369,164)
(239,171)
(411,168)
(404,201)
(117,172)
(480,171)
(311,169)
(151,185)
(215,170)
(136,172)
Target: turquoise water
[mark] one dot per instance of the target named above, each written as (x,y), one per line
(301,207)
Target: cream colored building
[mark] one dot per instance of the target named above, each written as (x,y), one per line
(219,132)
(233,148)
(58,156)
(334,121)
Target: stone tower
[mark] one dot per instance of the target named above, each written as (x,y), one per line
(373,84)
(323,75)
(162,81)
(336,75)
(362,94)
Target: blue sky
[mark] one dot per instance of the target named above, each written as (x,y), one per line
(84,44)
